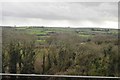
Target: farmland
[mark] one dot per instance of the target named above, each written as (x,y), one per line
(61,51)
(86,33)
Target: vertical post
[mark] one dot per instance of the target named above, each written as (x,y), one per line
(118,36)
(0,51)
(0,40)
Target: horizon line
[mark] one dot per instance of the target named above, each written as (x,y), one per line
(57,26)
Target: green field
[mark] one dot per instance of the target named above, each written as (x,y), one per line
(86,33)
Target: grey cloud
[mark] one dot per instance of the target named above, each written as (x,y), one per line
(62,11)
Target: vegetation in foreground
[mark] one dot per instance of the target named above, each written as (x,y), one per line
(62,51)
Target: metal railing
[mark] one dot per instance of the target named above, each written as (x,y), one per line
(65,76)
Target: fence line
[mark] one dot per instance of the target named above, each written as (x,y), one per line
(36,75)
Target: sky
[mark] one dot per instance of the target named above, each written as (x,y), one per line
(60,14)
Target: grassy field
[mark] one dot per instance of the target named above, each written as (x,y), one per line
(87,33)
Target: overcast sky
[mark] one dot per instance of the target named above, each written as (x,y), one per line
(61,14)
